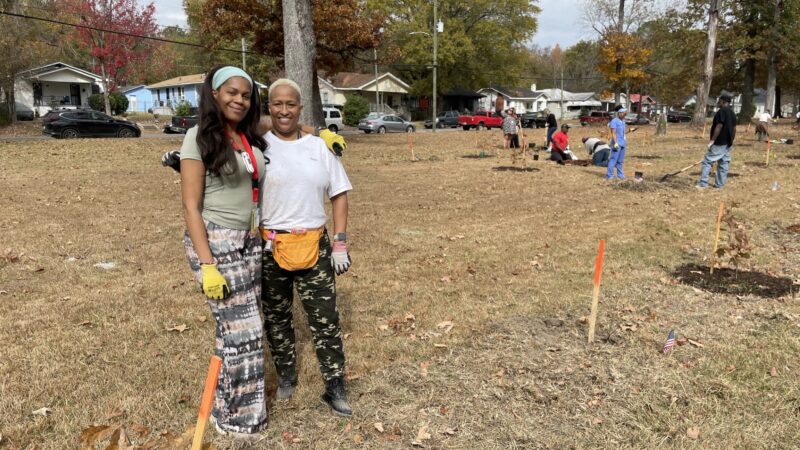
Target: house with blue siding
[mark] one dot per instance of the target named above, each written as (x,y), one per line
(139,97)
(168,93)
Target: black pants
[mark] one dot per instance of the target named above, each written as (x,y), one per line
(515,141)
(559,157)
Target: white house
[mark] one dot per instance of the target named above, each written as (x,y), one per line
(521,99)
(574,102)
(759,101)
(55,85)
(393,90)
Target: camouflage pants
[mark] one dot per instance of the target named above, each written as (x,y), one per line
(239,404)
(316,288)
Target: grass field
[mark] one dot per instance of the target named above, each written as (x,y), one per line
(464,313)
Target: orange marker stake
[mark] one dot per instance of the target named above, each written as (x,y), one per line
(769,147)
(598,271)
(411,146)
(716,238)
(207,400)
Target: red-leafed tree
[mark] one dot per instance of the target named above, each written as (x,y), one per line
(118,51)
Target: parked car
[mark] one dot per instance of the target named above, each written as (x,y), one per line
(595,117)
(180,124)
(87,123)
(447,119)
(480,120)
(23,112)
(387,123)
(636,119)
(333,119)
(534,120)
(678,116)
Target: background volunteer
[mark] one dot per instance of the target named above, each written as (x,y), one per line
(618,144)
(302,174)
(560,145)
(723,132)
(223,247)
(598,150)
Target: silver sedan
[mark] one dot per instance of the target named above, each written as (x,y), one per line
(385,124)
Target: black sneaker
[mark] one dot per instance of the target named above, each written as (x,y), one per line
(336,397)
(286,388)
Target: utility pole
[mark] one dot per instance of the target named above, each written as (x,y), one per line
(244,58)
(435,43)
(377,88)
(561,106)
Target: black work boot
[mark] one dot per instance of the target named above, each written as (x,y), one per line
(286,387)
(336,397)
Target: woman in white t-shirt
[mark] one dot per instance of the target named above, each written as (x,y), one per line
(298,254)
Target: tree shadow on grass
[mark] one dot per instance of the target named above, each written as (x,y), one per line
(515,169)
(733,282)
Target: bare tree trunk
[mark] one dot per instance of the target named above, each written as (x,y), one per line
(618,69)
(300,54)
(104,83)
(12,104)
(772,71)
(704,87)
(746,114)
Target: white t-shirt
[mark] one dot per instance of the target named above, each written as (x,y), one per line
(301,176)
(764,117)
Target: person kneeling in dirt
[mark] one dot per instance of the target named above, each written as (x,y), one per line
(560,151)
(598,150)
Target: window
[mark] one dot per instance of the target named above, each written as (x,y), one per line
(335,115)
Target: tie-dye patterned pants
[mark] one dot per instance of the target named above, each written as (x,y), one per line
(239,403)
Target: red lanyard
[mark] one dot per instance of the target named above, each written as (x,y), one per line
(252,160)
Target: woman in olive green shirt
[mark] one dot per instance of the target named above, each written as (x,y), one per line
(221,166)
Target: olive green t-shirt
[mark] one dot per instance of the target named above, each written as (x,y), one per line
(228,198)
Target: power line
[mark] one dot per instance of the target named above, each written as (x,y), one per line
(122,33)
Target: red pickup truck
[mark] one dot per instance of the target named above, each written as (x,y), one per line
(480,120)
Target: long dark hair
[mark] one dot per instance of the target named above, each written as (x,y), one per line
(215,148)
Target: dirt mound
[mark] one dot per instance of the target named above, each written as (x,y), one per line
(515,169)
(653,185)
(733,282)
(794,228)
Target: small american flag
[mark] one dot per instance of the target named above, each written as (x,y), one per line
(670,342)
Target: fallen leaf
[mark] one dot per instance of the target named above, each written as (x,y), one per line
(287,437)
(695,343)
(346,336)
(423,368)
(348,427)
(202,318)
(357,439)
(681,340)
(86,323)
(378,426)
(423,434)
(439,345)
(42,412)
(446,326)
(115,413)
(773,372)
(179,328)
(449,431)
(96,433)
(597,421)
(446,279)
(184,399)
(410,317)
(383,327)
(693,432)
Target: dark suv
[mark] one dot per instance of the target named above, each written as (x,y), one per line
(447,119)
(87,123)
(534,120)
(678,116)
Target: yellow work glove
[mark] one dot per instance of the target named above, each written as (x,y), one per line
(214,285)
(335,142)
(616,146)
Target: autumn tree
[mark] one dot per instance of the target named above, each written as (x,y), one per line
(484,41)
(118,51)
(342,31)
(24,44)
(623,59)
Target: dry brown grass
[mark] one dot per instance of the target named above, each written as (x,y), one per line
(505,255)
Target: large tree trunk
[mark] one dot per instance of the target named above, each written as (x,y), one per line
(704,87)
(772,70)
(618,69)
(746,114)
(11,103)
(300,54)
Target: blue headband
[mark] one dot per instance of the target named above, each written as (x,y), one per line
(621,110)
(225,73)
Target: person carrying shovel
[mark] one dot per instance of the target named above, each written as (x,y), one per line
(723,132)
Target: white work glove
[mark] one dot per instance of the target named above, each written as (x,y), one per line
(340,258)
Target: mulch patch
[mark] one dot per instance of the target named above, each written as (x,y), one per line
(652,185)
(644,157)
(479,156)
(733,282)
(579,162)
(515,169)
(794,228)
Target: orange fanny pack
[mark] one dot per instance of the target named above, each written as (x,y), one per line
(297,251)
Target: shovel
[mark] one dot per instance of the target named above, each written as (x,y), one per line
(664,178)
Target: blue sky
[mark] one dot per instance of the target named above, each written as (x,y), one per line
(559,21)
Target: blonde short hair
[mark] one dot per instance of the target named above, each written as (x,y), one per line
(284,82)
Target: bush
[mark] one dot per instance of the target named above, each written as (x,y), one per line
(356,108)
(117,101)
(183,108)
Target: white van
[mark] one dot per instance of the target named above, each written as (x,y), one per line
(333,119)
